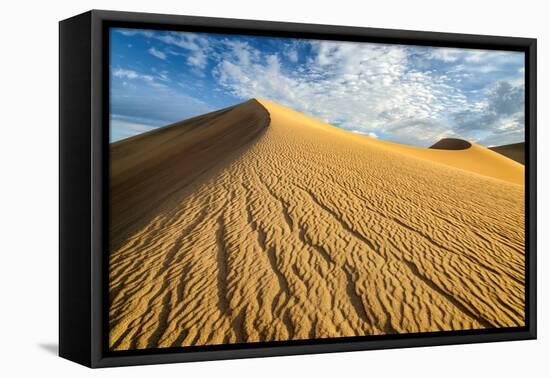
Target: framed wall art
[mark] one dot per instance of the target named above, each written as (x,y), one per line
(234,188)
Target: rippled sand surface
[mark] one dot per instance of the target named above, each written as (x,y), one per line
(281,227)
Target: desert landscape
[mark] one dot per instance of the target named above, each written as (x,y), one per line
(259,223)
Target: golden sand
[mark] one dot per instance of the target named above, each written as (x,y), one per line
(294,229)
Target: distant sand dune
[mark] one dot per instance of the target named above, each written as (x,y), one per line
(514,151)
(302,230)
(451,144)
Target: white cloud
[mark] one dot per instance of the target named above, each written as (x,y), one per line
(292,55)
(128,74)
(367,133)
(240,52)
(445,54)
(131,74)
(196,47)
(134,75)
(132,32)
(157,53)
(451,54)
(162,75)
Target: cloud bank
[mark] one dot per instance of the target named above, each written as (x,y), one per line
(406,94)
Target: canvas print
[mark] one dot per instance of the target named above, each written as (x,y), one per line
(269,189)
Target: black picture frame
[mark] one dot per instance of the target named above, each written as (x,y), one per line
(83,154)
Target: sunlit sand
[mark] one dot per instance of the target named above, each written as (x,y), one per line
(259,223)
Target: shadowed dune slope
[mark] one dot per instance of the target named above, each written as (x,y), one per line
(514,151)
(310,231)
(148,168)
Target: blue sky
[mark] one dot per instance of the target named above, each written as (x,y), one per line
(406,94)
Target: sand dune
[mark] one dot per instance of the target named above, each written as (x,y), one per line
(296,229)
(514,151)
(451,144)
